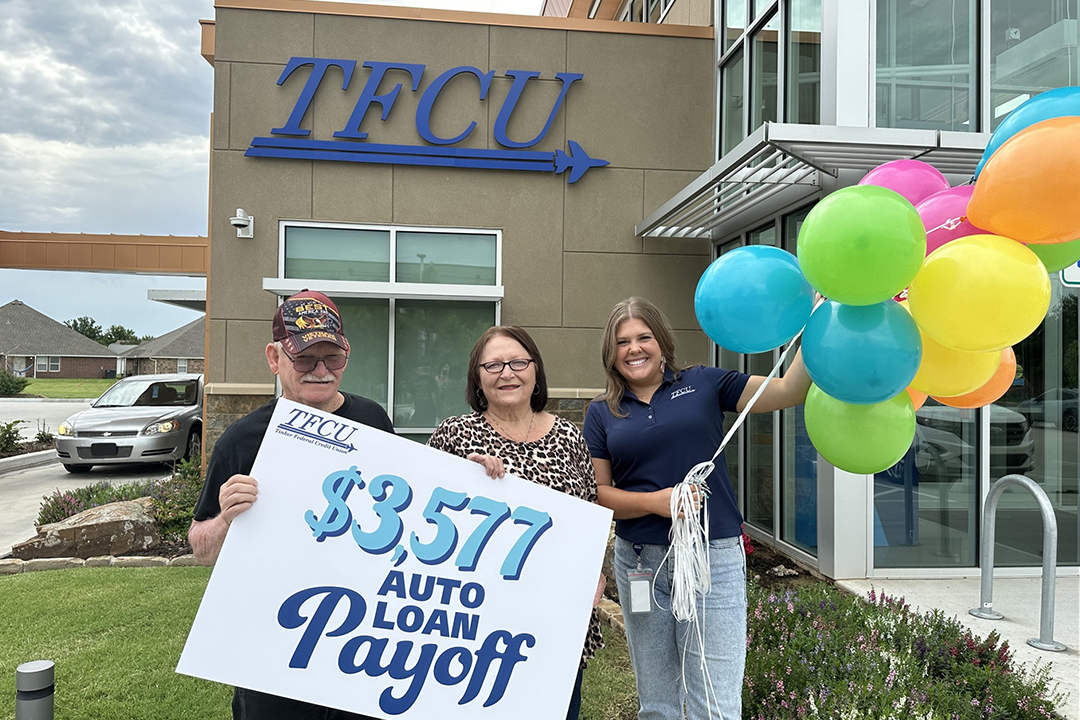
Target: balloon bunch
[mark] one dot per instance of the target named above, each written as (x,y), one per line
(973,263)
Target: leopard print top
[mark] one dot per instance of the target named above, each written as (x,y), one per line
(559,460)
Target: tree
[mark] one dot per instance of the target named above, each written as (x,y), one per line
(86,325)
(146,338)
(120,334)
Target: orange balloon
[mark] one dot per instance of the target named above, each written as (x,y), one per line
(997,386)
(1029,189)
(917,398)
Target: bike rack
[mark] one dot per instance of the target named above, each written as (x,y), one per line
(986,611)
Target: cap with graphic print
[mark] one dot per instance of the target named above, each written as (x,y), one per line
(307,318)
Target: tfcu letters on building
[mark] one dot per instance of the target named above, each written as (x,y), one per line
(352,144)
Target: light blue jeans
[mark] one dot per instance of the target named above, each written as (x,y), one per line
(663,650)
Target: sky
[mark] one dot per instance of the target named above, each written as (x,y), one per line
(105,128)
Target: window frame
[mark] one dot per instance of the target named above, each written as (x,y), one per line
(392,290)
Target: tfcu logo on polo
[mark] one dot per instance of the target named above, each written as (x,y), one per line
(331,433)
(292,141)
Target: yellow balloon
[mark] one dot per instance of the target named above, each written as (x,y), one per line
(980,293)
(945,372)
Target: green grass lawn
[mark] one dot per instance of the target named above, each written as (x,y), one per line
(116,635)
(59,388)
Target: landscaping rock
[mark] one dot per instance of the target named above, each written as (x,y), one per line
(139,562)
(115,529)
(184,561)
(100,561)
(65,563)
(11,566)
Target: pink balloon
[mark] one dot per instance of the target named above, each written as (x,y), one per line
(913,179)
(941,214)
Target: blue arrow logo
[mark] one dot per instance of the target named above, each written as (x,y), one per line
(577,161)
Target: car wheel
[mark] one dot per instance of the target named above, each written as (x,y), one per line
(194,444)
(78,469)
(1068,421)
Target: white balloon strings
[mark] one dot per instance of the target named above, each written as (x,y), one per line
(689,538)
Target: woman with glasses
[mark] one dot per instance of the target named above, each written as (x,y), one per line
(656,421)
(509,431)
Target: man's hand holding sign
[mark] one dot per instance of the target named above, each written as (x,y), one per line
(386,578)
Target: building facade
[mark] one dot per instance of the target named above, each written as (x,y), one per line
(438,172)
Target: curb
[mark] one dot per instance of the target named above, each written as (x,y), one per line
(28,460)
(49,400)
(14,566)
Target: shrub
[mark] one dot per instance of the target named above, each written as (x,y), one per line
(10,440)
(11,384)
(175,498)
(44,435)
(820,653)
(62,505)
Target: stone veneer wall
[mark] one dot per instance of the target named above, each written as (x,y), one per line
(223,410)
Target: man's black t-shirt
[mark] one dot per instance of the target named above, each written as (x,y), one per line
(235,451)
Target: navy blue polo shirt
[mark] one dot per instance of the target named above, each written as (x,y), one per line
(659,441)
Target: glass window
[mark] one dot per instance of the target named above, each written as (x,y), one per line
(1033,47)
(798,480)
(323,253)
(925,506)
(446,258)
(925,64)
(408,355)
(367,325)
(759,454)
(432,342)
(734,21)
(1033,431)
(43,363)
(731,123)
(181,365)
(804,62)
(54,363)
(763,74)
(761,6)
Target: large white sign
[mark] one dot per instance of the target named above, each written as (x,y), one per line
(1071,275)
(382,577)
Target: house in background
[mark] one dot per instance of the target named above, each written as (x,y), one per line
(35,345)
(181,350)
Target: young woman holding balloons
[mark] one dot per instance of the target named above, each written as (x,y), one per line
(656,421)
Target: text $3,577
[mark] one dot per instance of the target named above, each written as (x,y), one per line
(392,494)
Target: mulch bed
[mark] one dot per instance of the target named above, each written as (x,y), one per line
(761,564)
(29,447)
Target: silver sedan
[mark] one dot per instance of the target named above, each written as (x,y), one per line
(141,419)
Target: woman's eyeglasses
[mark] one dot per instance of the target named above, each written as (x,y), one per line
(497,366)
(307,363)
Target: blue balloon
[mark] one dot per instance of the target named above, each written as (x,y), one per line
(1059,102)
(753,299)
(862,354)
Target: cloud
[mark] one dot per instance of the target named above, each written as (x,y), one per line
(103,73)
(152,187)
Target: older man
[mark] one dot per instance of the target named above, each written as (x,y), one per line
(309,354)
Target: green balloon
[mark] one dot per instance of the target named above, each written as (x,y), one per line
(1057,256)
(861,245)
(861,439)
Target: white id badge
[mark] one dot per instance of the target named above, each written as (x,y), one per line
(641,580)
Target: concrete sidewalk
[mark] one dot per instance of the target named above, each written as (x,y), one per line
(1018,599)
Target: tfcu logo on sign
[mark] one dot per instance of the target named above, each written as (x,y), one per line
(292,141)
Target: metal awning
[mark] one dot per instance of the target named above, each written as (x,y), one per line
(778,156)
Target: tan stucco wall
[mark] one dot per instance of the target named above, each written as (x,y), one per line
(569,251)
